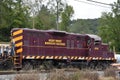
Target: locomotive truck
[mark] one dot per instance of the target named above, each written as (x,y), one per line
(53,48)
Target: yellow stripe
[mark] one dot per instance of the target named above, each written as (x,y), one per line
(72,57)
(89,58)
(100,58)
(56,57)
(19,50)
(60,57)
(18,38)
(33,57)
(27,57)
(19,44)
(96,57)
(76,57)
(23,57)
(51,57)
(86,57)
(64,57)
(47,57)
(17,32)
(42,57)
(30,57)
(37,57)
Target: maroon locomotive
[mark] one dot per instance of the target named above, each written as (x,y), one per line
(59,49)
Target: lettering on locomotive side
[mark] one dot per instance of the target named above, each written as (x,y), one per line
(55,42)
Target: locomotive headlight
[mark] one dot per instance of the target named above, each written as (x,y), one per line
(96,48)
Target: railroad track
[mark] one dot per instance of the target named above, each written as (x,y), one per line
(46,71)
(20,72)
(7,72)
(40,71)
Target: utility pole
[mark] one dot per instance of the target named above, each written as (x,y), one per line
(0,14)
(33,19)
(33,23)
(57,15)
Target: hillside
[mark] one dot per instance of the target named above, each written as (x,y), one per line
(87,26)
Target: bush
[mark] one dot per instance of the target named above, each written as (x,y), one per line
(57,75)
(91,75)
(80,75)
(110,72)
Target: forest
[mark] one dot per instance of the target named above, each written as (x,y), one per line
(57,14)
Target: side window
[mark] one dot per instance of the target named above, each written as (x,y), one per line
(72,43)
(79,45)
(26,40)
(88,42)
(68,43)
(78,38)
(96,42)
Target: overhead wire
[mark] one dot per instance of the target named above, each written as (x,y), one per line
(92,3)
(100,2)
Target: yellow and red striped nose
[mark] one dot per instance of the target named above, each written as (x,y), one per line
(17,32)
(17,38)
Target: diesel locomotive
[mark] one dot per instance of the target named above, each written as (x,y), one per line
(53,48)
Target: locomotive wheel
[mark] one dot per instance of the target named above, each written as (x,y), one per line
(27,66)
(99,66)
(61,65)
(48,65)
(92,65)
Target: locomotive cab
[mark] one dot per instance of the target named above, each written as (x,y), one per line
(99,53)
(98,49)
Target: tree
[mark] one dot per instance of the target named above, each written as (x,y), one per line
(13,15)
(66,15)
(57,7)
(45,19)
(34,9)
(110,26)
(5,19)
(45,16)
(5,12)
(84,26)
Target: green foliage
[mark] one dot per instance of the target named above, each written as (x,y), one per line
(66,15)
(109,28)
(84,26)
(45,19)
(13,14)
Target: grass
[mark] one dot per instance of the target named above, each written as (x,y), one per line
(79,75)
(110,72)
(107,78)
(61,74)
